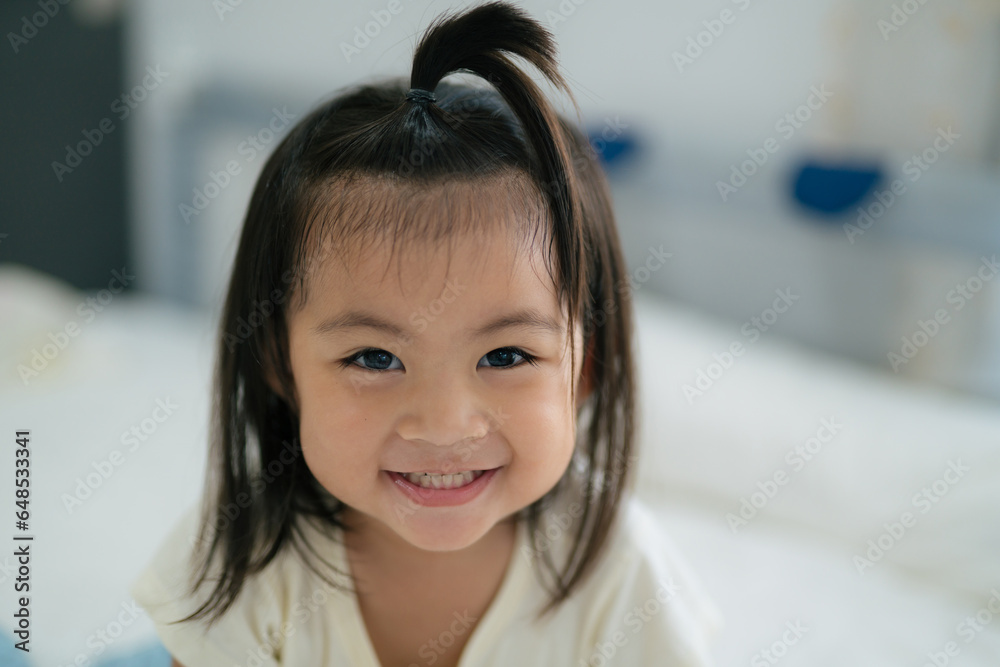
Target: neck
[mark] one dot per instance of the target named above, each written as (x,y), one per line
(379,556)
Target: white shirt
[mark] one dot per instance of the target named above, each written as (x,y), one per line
(640,606)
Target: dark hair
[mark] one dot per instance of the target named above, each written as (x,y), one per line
(327,180)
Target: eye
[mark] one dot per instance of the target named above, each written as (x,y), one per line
(502,357)
(374,360)
(378,361)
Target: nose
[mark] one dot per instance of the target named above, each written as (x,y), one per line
(445,410)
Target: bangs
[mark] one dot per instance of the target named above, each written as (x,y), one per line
(351,214)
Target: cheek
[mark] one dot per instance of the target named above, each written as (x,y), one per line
(338,429)
(329,404)
(541,426)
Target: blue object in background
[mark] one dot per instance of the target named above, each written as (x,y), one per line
(833,189)
(612,145)
(10,656)
(152,655)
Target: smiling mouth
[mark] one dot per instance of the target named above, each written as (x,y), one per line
(442,481)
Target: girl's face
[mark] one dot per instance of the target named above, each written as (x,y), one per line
(427,371)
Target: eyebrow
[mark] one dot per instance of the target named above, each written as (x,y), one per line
(526,318)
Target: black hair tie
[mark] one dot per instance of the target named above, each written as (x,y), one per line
(420,95)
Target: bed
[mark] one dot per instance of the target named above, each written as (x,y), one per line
(773,482)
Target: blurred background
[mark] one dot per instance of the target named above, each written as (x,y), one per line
(823,176)
(706,114)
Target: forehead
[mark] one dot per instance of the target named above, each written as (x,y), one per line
(473,273)
(473,304)
(366,229)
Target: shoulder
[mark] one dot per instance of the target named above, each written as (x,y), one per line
(163,591)
(644,600)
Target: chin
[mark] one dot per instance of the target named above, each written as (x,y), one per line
(436,531)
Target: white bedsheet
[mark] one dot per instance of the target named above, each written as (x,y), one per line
(783,568)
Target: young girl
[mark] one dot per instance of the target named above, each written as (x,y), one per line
(396,477)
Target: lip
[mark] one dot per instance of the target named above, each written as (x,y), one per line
(441,497)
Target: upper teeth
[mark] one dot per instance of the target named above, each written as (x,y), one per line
(429,481)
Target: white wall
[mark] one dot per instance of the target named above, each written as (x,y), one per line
(890,91)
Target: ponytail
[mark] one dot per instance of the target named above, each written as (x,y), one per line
(478,42)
